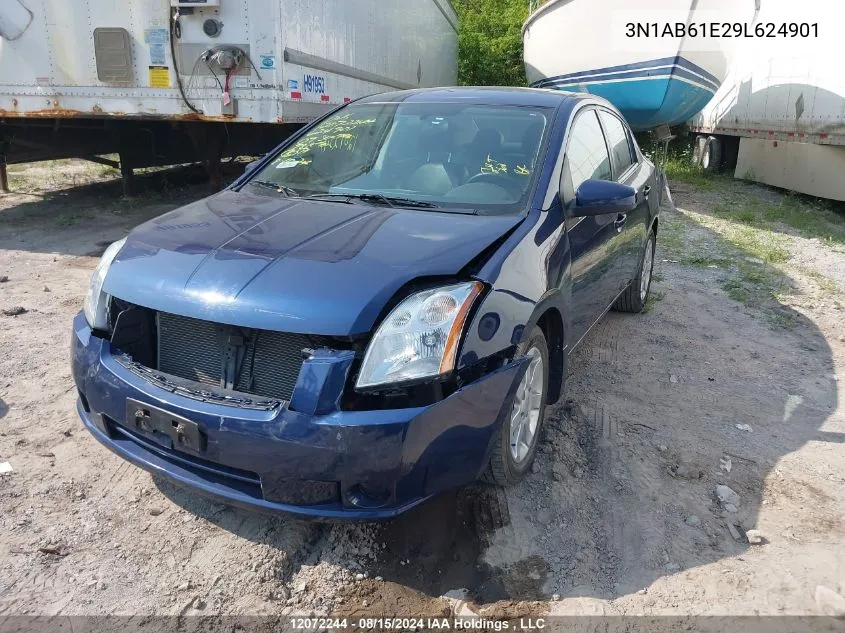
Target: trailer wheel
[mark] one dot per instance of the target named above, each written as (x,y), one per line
(698,148)
(711,155)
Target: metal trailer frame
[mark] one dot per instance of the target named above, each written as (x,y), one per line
(83,78)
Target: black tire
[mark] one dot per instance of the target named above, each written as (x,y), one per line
(502,469)
(698,148)
(633,300)
(711,156)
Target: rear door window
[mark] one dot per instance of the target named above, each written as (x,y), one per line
(618,141)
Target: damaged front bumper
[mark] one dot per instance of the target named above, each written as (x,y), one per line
(308,458)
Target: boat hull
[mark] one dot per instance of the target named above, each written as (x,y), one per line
(651,93)
(569,45)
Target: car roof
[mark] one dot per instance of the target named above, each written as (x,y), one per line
(486,95)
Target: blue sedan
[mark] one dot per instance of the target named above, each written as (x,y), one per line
(379,310)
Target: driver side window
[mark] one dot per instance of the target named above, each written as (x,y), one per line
(586,155)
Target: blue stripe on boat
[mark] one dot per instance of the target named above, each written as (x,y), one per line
(646,103)
(631,74)
(665,61)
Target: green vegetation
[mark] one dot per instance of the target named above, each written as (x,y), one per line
(490,42)
(745,238)
(749,253)
(809,219)
(760,243)
(769,247)
(20,184)
(680,167)
(679,244)
(747,256)
(670,235)
(755,284)
(737,291)
(679,163)
(104,171)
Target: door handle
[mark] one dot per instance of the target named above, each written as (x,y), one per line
(620,220)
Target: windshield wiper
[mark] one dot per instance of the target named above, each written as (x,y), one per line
(322,196)
(390,201)
(290,193)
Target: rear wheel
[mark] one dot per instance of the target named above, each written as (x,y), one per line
(635,296)
(515,443)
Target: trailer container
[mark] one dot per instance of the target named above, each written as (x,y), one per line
(162,81)
(779,116)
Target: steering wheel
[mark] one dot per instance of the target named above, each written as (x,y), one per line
(500,180)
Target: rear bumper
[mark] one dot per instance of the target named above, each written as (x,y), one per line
(323,463)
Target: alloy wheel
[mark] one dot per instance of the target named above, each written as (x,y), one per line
(648,262)
(525,416)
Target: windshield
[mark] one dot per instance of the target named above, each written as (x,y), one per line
(445,155)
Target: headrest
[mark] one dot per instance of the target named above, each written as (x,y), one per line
(488,140)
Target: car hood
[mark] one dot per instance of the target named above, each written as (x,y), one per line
(288,264)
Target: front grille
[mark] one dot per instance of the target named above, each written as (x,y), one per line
(190,348)
(259,362)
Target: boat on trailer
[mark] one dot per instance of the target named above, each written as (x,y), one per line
(578,45)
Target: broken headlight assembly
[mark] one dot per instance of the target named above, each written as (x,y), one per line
(420,336)
(96,301)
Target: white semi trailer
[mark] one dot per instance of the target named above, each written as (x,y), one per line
(779,116)
(163,81)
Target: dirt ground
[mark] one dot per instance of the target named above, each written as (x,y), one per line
(734,376)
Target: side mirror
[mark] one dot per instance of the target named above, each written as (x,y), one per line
(597,197)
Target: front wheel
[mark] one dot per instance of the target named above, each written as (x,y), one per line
(515,443)
(635,296)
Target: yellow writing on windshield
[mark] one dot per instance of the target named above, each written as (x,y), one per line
(336,134)
(493,166)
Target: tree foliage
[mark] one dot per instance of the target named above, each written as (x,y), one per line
(490,42)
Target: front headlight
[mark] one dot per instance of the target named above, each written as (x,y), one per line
(420,337)
(96,301)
